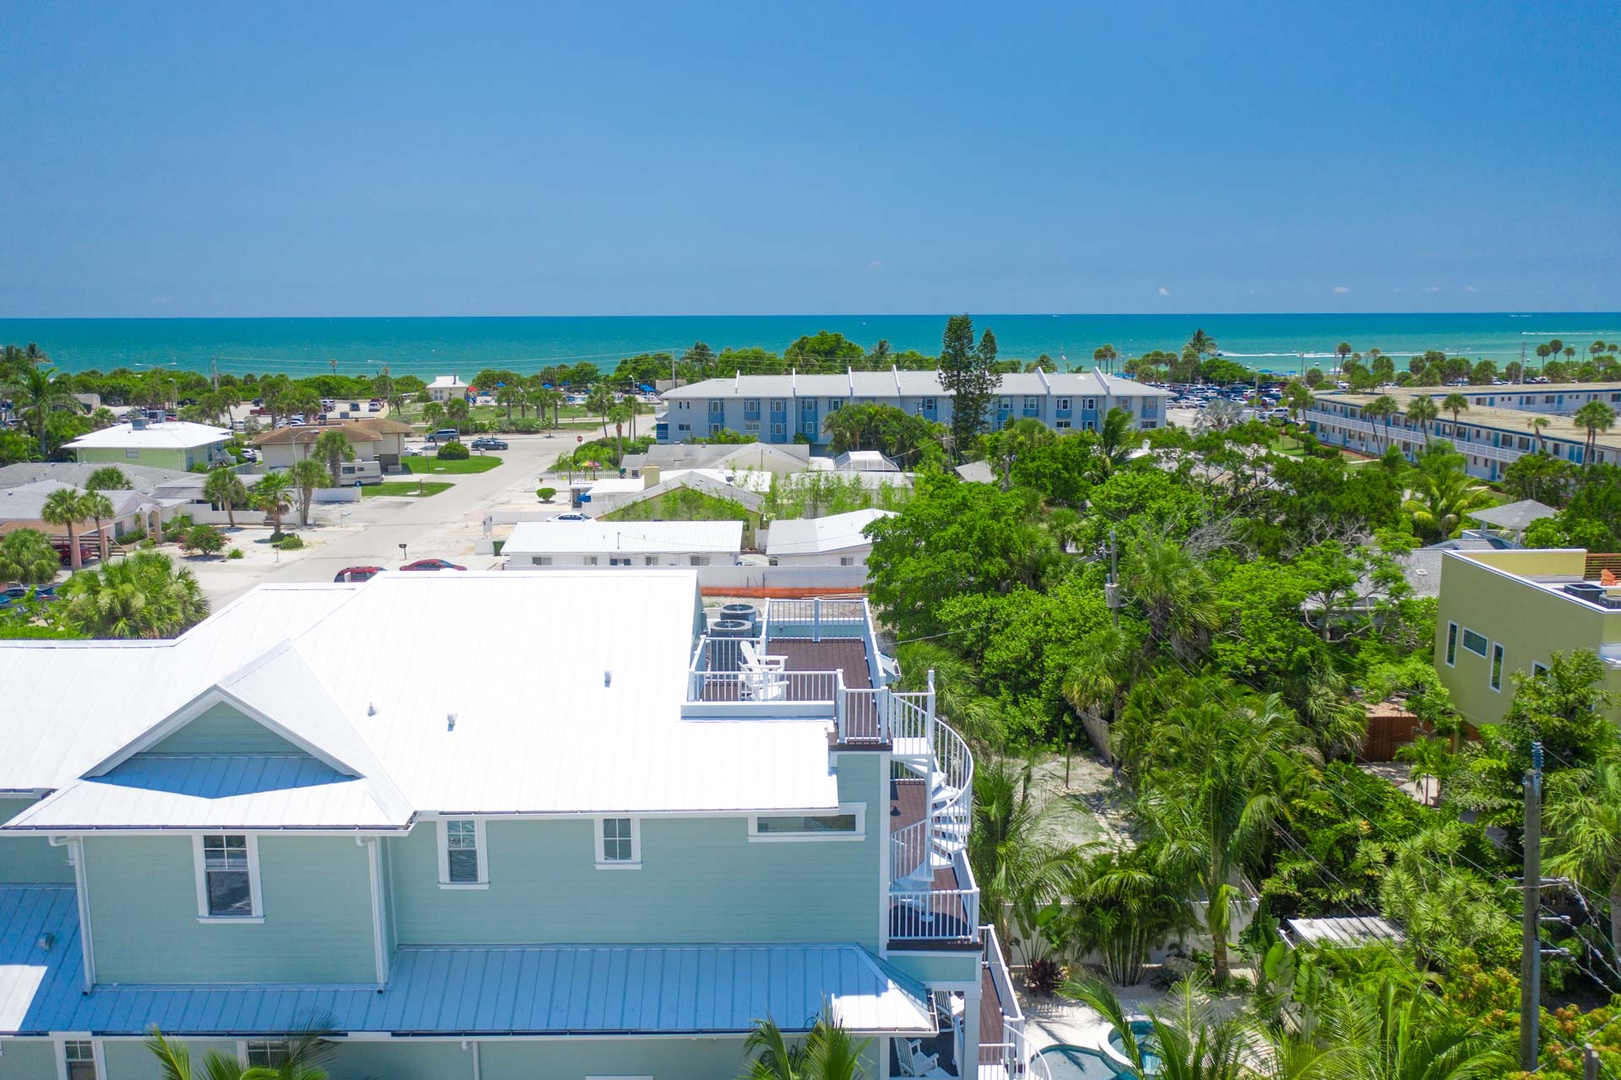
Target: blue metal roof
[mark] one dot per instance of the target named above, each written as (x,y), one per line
(464,990)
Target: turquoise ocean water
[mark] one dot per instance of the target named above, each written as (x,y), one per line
(432,346)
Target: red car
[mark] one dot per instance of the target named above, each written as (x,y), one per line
(432,564)
(358,573)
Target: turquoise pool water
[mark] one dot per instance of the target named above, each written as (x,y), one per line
(1076,1063)
(1143,1029)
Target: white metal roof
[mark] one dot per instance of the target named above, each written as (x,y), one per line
(636,537)
(817,536)
(890,384)
(1350,930)
(567,699)
(171,435)
(447,382)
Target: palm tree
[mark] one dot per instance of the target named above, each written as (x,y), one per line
(1191,1042)
(65,506)
(619,415)
(1443,493)
(1538,424)
(333,448)
(1123,907)
(224,488)
(828,1053)
(1211,814)
(27,557)
(1383,408)
(306,476)
(1595,417)
(96,506)
(1583,833)
(305,1053)
(599,401)
(1019,872)
(1102,672)
(457,412)
(273,495)
(1428,759)
(1341,351)
(107,478)
(143,596)
(1455,404)
(635,407)
(509,396)
(1175,592)
(1118,436)
(1202,344)
(1105,356)
(433,414)
(1423,411)
(39,391)
(546,398)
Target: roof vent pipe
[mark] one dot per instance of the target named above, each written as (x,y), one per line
(450,722)
(607,678)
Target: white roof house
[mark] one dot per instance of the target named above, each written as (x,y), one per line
(535,544)
(446,387)
(333,671)
(173,435)
(811,541)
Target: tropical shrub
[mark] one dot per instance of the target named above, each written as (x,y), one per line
(453,451)
(290,542)
(27,557)
(204,539)
(545,494)
(234,553)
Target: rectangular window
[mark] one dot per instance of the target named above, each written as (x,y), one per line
(683,427)
(717,405)
(808,405)
(847,560)
(777,429)
(697,560)
(267,1053)
(79,1060)
(1091,404)
(1452,643)
(1005,404)
(1497,668)
(228,889)
(131,452)
(715,429)
(778,405)
(619,842)
(1473,642)
(461,852)
(619,560)
(589,560)
(849,823)
(810,428)
(1062,425)
(1063,404)
(751,427)
(751,404)
(929,404)
(650,560)
(1032,404)
(1538,669)
(835,404)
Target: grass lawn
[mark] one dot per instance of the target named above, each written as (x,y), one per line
(427,466)
(405,487)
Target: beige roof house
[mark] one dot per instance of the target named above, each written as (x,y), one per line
(373,440)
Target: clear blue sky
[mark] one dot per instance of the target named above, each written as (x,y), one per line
(606,158)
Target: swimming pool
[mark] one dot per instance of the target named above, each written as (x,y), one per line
(1077,1063)
(1144,1030)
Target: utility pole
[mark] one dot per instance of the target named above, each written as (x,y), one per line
(1589,1063)
(214,371)
(1530,939)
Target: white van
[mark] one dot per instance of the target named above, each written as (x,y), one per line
(351,473)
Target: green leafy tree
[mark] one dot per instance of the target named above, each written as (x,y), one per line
(1118,438)
(224,488)
(458,414)
(968,374)
(27,557)
(39,390)
(306,1054)
(333,448)
(1542,477)
(1443,493)
(1174,592)
(828,1052)
(1020,870)
(204,539)
(1582,822)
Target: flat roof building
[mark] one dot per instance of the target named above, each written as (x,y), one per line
(174,444)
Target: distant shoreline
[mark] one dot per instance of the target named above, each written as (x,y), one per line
(432,345)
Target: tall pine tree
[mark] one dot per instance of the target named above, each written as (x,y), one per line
(969,374)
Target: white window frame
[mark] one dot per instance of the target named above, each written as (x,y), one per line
(1091,404)
(442,831)
(1496,662)
(751,405)
(599,827)
(1538,669)
(847,560)
(1061,425)
(779,405)
(1486,643)
(697,560)
(132,453)
(1031,403)
(778,429)
(588,560)
(199,868)
(243,1048)
(540,560)
(717,405)
(650,560)
(1454,634)
(1064,404)
(858,810)
(60,1048)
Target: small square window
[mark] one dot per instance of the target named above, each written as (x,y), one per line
(589,560)
(650,560)
(717,405)
(619,842)
(227,886)
(751,404)
(776,429)
(697,560)
(1063,404)
(847,560)
(778,404)
(79,1060)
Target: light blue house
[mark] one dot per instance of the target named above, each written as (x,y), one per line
(574,844)
(779,408)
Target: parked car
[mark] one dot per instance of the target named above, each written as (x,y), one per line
(444,435)
(358,573)
(572,515)
(22,592)
(432,564)
(87,550)
(486,443)
(374,405)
